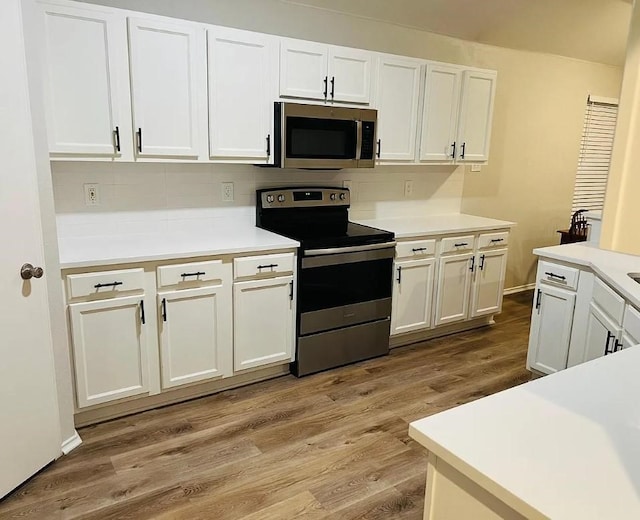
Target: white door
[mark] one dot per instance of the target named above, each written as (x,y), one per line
(85,54)
(109,340)
(242,75)
(488,283)
(440,113)
(412,295)
(30,426)
(602,333)
(454,283)
(551,321)
(350,75)
(168,80)
(303,70)
(476,113)
(196,341)
(263,322)
(398,90)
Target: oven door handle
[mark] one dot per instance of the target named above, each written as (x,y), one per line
(349,249)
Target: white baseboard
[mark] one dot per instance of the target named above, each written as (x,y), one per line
(71,443)
(519,288)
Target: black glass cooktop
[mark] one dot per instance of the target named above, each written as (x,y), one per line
(321,235)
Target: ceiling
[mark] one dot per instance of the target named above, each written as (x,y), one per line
(593,30)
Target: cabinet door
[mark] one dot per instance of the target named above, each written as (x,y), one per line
(195,334)
(440,113)
(628,341)
(412,295)
(454,284)
(263,322)
(168,78)
(602,333)
(488,283)
(242,69)
(550,332)
(85,53)
(398,89)
(110,349)
(303,69)
(350,75)
(476,113)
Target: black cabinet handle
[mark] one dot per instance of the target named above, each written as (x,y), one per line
(606,345)
(453,150)
(269,145)
(482,262)
(464,145)
(617,346)
(494,240)
(473,264)
(267,266)
(326,87)
(538,300)
(399,279)
(460,244)
(291,290)
(116,136)
(418,249)
(198,273)
(164,309)
(379,148)
(553,275)
(139,139)
(333,86)
(142,318)
(112,284)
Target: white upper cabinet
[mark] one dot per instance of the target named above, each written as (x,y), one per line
(242,88)
(168,84)
(86,95)
(440,113)
(476,114)
(317,71)
(398,91)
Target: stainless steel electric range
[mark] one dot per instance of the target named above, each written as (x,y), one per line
(344,276)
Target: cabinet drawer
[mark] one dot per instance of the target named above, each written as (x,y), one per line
(608,300)
(500,238)
(558,274)
(631,322)
(88,284)
(415,248)
(457,244)
(203,272)
(263,265)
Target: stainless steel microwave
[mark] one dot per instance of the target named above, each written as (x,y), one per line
(323,137)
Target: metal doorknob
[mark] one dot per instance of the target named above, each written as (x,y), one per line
(27,271)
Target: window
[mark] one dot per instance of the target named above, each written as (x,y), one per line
(595,153)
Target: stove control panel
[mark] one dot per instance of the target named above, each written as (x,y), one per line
(303,197)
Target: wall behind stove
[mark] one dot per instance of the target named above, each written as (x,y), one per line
(143,198)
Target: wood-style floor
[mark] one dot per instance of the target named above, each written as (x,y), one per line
(332,445)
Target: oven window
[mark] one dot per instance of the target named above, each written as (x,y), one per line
(336,285)
(309,138)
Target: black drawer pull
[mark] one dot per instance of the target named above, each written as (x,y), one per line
(460,244)
(116,135)
(464,145)
(399,279)
(269,145)
(142,318)
(538,298)
(453,150)
(164,309)
(291,290)
(473,264)
(553,275)
(494,240)
(606,345)
(267,266)
(198,273)
(379,148)
(418,249)
(112,284)
(481,267)
(139,140)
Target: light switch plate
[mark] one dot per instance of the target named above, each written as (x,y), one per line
(408,188)
(227,192)
(91,195)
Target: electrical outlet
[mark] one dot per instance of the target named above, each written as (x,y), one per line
(91,195)
(476,167)
(227,192)
(408,188)
(348,185)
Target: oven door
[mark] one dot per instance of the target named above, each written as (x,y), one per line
(319,137)
(344,286)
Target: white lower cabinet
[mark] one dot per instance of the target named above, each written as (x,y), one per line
(412,295)
(196,339)
(602,334)
(452,292)
(263,322)
(551,322)
(110,349)
(488,284)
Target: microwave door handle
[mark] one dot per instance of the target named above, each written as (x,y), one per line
(358,139)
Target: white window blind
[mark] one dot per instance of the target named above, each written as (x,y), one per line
(595,153)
